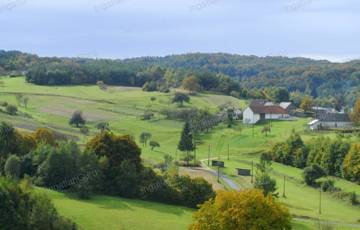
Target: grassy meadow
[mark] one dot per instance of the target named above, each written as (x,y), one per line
(123,107)
(104,212)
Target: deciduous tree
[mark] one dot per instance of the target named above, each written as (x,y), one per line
(244,210)
(355,115)
(180,98)
(306,103)
(77,119)
(191,83)
(352,164)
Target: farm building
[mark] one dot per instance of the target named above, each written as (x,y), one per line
(329,120)
(288,106)
(260,110)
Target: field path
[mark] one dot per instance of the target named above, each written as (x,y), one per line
(333,223)
(59,95)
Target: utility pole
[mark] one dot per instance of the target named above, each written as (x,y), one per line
(209,156)
(253,126)
(284,188)
(194,148)
(320,202)
(252,172)
(194,156)
(228,151)
(218,179)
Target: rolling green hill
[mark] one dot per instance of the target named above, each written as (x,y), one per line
(122,107)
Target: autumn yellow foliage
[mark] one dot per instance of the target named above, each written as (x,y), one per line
(352,164)
(244,210)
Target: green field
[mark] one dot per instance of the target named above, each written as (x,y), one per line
(302,200)
(104,212)
(122,107)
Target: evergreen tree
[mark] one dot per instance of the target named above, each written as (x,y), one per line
(186,142)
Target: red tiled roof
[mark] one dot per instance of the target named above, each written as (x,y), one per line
(271,109)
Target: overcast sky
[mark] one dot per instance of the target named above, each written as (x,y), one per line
(321,29)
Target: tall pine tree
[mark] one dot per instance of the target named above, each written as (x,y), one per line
(186,143)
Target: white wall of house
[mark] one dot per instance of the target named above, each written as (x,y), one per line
(249,117)
(276,116)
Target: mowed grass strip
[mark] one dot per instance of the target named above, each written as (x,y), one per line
(111,213)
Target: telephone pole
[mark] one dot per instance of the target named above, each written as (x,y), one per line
(320,202)
(284,188)
(252,172)
(228,151)
(209,156)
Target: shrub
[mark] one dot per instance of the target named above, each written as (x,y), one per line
(148,115)
(354,199)
(150,86)
(154,144)
(328,185)
(13,167)
(264,182)
(312,173)
(84,130)
(3,103)
(193,192)
(11,109)
(44,136)
(103,126)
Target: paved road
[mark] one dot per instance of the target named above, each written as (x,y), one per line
(225,178)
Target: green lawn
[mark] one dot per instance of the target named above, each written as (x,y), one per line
(110,213)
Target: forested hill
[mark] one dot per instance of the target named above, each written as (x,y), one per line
(229,64)
(243,76)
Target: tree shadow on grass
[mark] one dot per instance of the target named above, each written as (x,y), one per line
(116,203)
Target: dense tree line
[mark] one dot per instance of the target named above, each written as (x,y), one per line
(110,164)
(241,76)
(322,156)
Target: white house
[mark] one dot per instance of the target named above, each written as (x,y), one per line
(237,114)
(331,120)
(258,111)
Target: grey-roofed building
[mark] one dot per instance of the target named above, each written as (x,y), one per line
(328,120)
